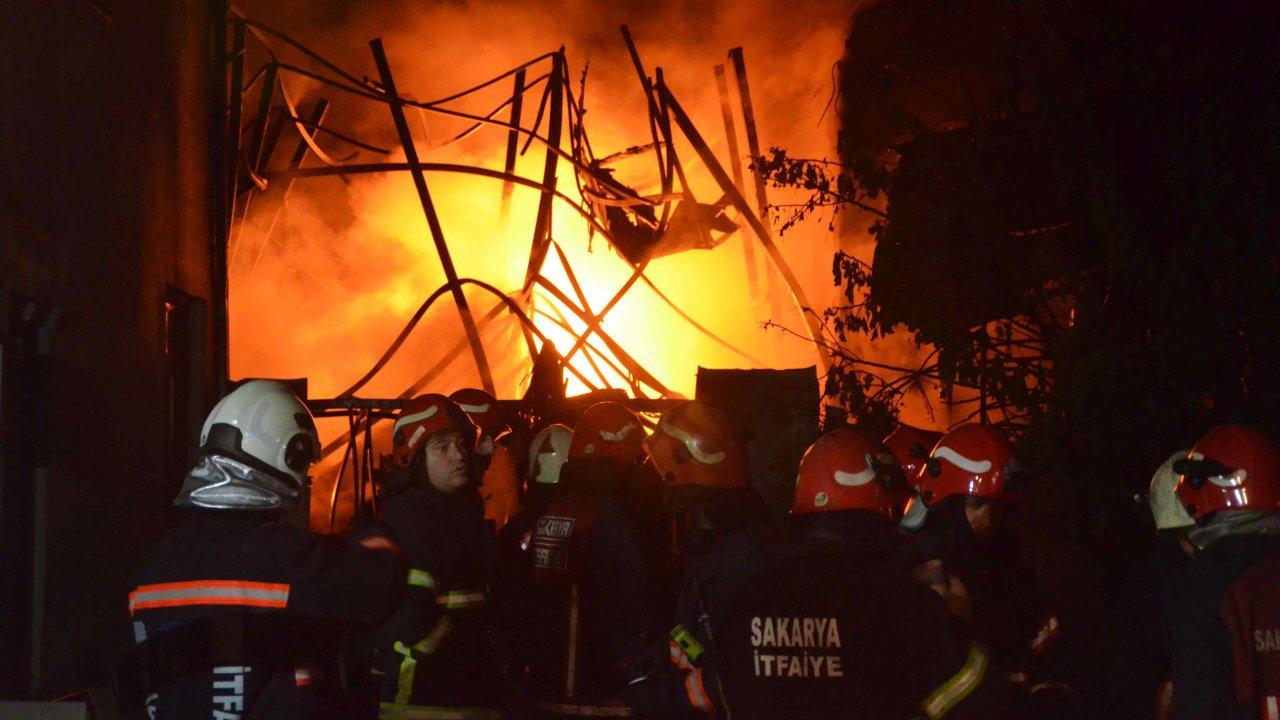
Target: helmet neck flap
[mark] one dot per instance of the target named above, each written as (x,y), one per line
(218,482)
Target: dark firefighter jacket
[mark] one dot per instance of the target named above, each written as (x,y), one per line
(1225,630)
(832,630)
(1009,613)
(436,655)
(589,614)
(1135,667)
(728,539)
(239,617)
(515,579)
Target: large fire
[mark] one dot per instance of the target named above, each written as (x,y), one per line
(347,261)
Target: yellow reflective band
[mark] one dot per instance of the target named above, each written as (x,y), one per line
(403,711)
(409,664)
(950,693)
(404,684)
(462,599)
(433,639)
(422,579)
(687,642)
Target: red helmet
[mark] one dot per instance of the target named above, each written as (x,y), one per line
(608,430)
(911,445)
(846,470)
(484,409)
(423,417)
(970,460)
(695,445)
(1233,467)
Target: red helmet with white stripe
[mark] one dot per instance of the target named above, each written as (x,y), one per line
(846,470)
(423,417)
(971,460)
(911,446)
(608,430)
(484,410)
(695,445)
(1233,467)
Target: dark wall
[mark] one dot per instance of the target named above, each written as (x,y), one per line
(108,144)
(775,412)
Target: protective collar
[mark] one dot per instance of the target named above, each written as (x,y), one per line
(220,483)
(1234,522)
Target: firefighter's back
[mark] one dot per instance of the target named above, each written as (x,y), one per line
(825,634)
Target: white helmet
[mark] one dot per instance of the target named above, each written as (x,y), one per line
(255,449)
(1166,508)
(548,453)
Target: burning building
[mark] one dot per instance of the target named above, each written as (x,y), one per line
(155,159)
(514,213)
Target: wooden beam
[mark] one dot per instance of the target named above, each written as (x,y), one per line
(271,201)
(513,142)
(753,146)
(542,225)
(647,84)
(735,163)
(726,184)
(396,105)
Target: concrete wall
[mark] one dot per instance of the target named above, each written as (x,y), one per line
(107,209)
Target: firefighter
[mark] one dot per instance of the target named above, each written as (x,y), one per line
(1170,558)
(964,551)
(1138,670)
(589,616)
(436,656)
(831,628)
(911,446)
(1225,621)
(499,485)
(237,612)
(724,537)
(547,455)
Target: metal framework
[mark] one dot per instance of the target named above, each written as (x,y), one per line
(263,112)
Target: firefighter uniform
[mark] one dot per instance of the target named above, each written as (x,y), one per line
(589,612)
(436,656)
(720,554)
(726,544)
(1007,611)
(1223,607)
(547,454)
(980,571)
(833,632)
(590,582)
(242,616)
(833,628)
(1224,612)
(1251,613)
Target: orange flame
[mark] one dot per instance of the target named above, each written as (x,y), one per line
(348,261)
